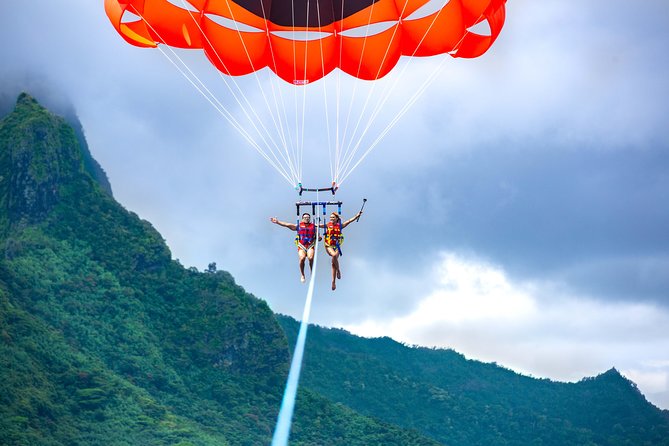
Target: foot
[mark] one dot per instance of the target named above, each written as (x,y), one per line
(334,285)
(338,274)
(302,279)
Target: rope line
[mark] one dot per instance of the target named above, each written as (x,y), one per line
(355,89)
(223,111)
(286,153)
(249,107)
(397,117)
(405,108)
(284,420)
(192,78)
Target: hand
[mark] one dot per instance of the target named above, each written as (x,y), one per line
(273,220)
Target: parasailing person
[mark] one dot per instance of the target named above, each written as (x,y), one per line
(333,240)
(305,240)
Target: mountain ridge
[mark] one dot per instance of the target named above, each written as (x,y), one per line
(458,401)
(105,339)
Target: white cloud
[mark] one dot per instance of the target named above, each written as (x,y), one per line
(533,328)
(652,381)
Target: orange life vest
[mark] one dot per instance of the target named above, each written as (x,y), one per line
(333,234)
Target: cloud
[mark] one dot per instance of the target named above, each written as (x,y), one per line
(532,327)
(575,74)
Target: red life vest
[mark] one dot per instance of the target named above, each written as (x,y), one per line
(333,234)
(306,234)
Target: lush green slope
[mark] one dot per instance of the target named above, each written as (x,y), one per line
(104,339)
(463,402)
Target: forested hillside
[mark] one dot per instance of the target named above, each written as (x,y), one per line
(461,402)
(105,340)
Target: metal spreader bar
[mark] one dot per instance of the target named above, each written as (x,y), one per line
(314,204)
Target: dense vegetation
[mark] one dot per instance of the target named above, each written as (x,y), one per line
(463,402)
(104,339)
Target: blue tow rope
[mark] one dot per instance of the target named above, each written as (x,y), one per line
(282,430)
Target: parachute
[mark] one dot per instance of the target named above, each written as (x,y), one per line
(304,40)
(301,42)
(272,55)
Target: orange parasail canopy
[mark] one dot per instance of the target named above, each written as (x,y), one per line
(304,40)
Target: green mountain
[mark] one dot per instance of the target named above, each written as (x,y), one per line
(105,340)
(8,94)
(463,402)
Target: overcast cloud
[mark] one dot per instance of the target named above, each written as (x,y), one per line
(518,213)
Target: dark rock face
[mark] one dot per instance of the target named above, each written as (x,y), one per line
(39,155)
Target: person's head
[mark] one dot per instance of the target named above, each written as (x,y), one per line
(306,217)
(334,217)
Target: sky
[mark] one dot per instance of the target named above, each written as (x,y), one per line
(517,213)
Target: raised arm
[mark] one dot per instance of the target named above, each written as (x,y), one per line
(351,220)
(291,226)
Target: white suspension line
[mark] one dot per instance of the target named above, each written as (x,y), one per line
(296,149)
(355,87)
(397,117)
(391,90)
(343,136)
(248,106)
(377,109)
(275,81)
(335,174)
(304,94)
(257,79)
(211,98)
(285,156)
(231,120)
(336,148)
(348,154)
(371,91)
(325,94)
(271,79)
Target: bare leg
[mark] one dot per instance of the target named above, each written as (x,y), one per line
(310,256)
(302,256)
(335,266)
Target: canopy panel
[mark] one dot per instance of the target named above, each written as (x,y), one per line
(304,40)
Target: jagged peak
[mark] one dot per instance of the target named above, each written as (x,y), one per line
(25,99)
(25,103)
(611,376)
(39,153)
(612,372)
